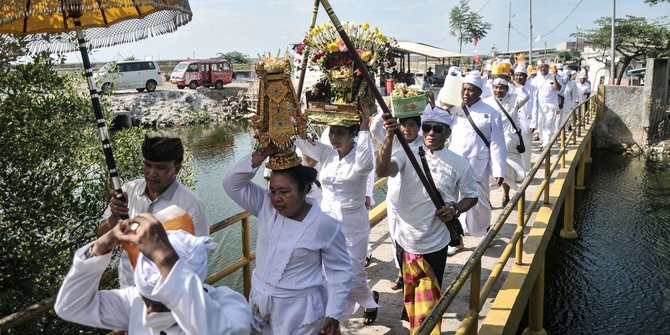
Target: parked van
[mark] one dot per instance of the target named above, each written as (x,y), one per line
(203,72)
(138,74)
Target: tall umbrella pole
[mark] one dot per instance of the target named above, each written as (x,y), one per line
(99,117)
(371,82)
(305,54)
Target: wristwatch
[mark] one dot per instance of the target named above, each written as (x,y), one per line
(457,211)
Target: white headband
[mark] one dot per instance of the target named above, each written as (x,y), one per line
(500,81)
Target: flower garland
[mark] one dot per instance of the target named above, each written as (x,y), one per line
(331,54)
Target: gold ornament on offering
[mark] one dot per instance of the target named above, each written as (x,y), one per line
(278,118)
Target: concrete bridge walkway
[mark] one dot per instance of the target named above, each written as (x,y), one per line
(382,271)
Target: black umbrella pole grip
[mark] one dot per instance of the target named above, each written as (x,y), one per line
(99,117)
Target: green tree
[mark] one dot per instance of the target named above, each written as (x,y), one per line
(234,56)
(467,25)
(53,182)
(568,56)
(635,38)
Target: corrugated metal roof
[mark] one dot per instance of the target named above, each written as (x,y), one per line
(426,50)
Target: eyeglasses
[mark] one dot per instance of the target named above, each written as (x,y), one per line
(426,128)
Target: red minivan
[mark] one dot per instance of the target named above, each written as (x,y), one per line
(202,72)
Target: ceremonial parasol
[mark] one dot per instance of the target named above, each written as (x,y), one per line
(53,25)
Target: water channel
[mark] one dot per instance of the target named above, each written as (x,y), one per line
(614,279)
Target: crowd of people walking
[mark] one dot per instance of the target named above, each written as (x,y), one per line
(310,274)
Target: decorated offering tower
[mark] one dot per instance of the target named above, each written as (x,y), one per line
(278,118)
(335,99)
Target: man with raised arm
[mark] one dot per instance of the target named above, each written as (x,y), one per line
(421,234)
(169,297)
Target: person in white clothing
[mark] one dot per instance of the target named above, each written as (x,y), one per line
(298,247)
(409,127)
(526,112)
(508,104)
(584,85)
(158,190)
(169,297)
(486,153)
(369,199)
(346,165)
(421,233)
(547,90)
(571,98)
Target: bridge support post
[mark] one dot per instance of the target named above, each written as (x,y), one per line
(568,230)
(581,167)
(536,306)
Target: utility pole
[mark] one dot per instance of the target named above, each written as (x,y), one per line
(530,34)
(612,67)
(509,24)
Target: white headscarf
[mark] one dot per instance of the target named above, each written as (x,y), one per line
(192,251)
(474,78)
(500,81)
(436,115)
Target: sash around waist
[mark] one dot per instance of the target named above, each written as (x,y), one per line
(265,288)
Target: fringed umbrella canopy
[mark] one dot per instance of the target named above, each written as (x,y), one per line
(107,22)
(59,25)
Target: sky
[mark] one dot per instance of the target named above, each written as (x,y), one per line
(258,26)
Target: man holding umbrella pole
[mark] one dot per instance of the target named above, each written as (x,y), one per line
(421,233)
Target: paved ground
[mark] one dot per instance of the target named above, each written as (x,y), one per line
(382,272)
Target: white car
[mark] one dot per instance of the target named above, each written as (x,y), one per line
(138,74)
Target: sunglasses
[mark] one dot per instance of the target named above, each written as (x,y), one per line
(426,128)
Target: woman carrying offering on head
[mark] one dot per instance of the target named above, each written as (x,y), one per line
(298,245)
(345,166)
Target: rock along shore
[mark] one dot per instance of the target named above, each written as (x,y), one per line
(172,107)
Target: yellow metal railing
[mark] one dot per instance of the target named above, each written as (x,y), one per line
(16,319)
(581,115)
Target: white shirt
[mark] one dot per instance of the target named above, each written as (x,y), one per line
(139,202)
(198,308)
(292,258)
(344,181)
(528,112)
(547,94)
(584,88)
(512,102)
(417,229)
(572,95)
(465,141)
(369,191)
